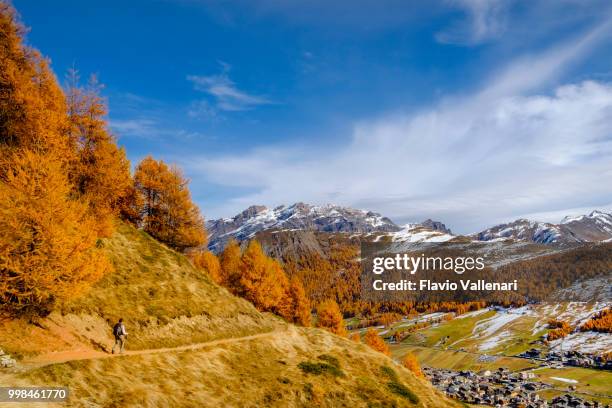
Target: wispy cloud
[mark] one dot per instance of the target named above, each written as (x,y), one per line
(140,127)
(509,148)
(224,92)
(484,20)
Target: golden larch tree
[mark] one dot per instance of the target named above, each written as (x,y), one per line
(410,362)
(32,105)
(373,340)
(168,214)
(262,280)
(330,318)
(207,261)
(299,305)
(48,247)
(101,171)
(230,266)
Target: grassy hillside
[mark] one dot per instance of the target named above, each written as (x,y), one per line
(163,300)
(193,344)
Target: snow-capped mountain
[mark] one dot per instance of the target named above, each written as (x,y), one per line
(597,226)
(594,227)
(526,230)
(299,216)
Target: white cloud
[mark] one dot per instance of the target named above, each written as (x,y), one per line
(226,94)
(507,149)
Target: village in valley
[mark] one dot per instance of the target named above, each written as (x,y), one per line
(501,357)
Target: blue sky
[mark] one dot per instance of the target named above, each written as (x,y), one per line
(468,111)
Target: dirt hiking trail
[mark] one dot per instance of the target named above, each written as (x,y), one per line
(88,354)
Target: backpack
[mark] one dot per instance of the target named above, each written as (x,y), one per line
(117,330)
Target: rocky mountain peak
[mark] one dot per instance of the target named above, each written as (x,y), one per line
(326,218)
(436,226)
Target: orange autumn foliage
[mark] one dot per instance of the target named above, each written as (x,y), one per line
(253,275)
(560,329)
(600,322)
(48,250)
(168,214)
(299,311)
(373,340)
(208,262)
(101,171)
(262,280)
(48,247)
(410,362)
(31,102)
(356,337)
(330,318)
(230,266)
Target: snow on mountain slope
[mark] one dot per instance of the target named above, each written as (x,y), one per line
(419,233)
(300,216)
(524,230)
(594,227)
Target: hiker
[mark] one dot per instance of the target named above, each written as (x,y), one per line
(120,336)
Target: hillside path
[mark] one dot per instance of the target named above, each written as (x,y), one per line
(72,355)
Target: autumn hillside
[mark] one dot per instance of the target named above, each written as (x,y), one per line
(238,356)
(164,300)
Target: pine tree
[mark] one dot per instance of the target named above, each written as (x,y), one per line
(373,340)
(330,318)
(169,215)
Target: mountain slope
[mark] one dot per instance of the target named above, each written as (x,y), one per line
(595,227)
(244,357)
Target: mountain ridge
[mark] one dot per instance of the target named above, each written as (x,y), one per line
(593,227)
